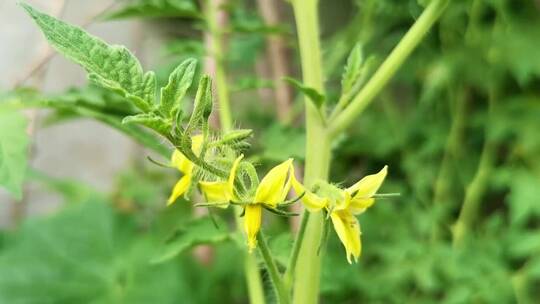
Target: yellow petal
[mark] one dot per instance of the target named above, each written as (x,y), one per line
(348,230)
(252,224)
(180,188)
(180,162)
(232,175)
(274,186)
(368,186)
(311,201)
(216,192)
(359,205)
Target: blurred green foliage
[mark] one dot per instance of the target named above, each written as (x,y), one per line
(458,127)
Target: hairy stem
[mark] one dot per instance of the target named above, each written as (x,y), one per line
(288,277)
(389,67)
(277,282)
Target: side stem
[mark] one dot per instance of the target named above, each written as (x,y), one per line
(288,277)
(389,67)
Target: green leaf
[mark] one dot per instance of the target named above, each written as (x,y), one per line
(524,196)
(179,82)
(195,232)
(317,97)
(113,67)
(150,120)
(13,151)
(156,9)
(353,68)
(84,253)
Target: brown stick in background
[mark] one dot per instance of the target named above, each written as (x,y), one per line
(276,53)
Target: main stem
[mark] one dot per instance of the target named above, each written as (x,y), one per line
(308,267)
(318,153)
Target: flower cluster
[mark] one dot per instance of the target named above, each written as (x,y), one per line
(341,205)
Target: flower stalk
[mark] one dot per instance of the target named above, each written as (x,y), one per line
(275,276)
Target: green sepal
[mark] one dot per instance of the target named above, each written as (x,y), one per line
(292,201)
(234,136)
(280,212)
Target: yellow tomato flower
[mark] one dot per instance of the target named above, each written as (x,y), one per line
(184,165)
(271,191)
(343,205)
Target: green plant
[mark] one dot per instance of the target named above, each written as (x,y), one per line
(446,232)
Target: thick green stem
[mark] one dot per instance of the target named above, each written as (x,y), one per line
(318,153)
(389,67)
(275,276)
(307,272)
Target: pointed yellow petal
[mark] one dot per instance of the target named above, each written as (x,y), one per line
(216,192)
(252,224)
(311,201)
(348,230)
(232,175)
(368,186)
(359,205)
(180,188)
(273,187)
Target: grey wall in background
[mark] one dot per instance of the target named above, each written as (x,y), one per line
(82,150)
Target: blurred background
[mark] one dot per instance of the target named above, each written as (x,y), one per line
(82,209)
